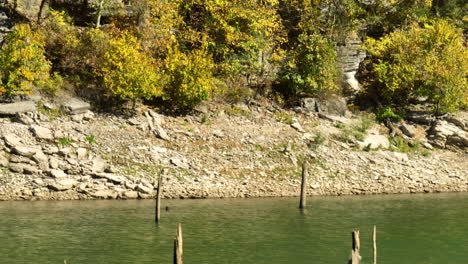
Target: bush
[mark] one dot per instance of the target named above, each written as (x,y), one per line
(62,41)
(189,78)
(310,70)
(126,72)
(23,65)
(428,61)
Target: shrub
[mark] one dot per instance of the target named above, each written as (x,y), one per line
(387,113)
(428,61)
(189,78)
(61,41)
(310,70)
(23,65)
(128,73)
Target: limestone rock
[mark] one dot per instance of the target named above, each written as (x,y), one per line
(42,132)
(144,189)
(3,160)
(445,134)
(24,118)
(112,177)
(99,165)
(297,126)
(17,167)
(159,132)
(130,195)
(76,106)
(62,184)
(333,105)
(57,174)
(181,163)
(12,140)
(408,129)
(26,151)
(375,141)
(81,153)
(18,107)
(42,160)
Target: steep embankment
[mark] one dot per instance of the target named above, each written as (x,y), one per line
(221,151)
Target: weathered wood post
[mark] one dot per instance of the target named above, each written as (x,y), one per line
(355,256)
(178,246)
(302,202)
(374,240)
(158,200)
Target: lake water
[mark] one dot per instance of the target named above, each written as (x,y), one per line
(412,229)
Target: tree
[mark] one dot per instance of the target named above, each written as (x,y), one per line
(23,65)
(128,73)
(429,61)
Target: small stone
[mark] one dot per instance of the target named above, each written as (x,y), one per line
(23,118)
(130,194)
(99,165)
(62,184)
(89,115)
(12,140)
(180,163)
(42,160)
(39,182)
(64,151)
(17,167)
(28,169)
(42,132)
(50,150)
(3,160)
(297,126)
(54,163)
(218,133)
(159,132)
(144,189)
(76,106)
(81,153)
(112,177)
(57,174)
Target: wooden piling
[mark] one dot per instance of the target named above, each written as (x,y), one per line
(178,246)
(302,202)
(355,256)
(158,200)
(374,240)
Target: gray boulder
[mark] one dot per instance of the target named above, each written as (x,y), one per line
(18,107)
(334,105)
(42,132)
(76,106)
(444,134)
(62,184)
(26,151)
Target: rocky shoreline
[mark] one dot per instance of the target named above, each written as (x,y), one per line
(67,152)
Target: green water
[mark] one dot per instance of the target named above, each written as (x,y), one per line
(412,229)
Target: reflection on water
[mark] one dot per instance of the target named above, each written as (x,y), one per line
(412,229)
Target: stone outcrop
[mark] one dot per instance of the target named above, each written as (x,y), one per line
(333,105)
(350,55)
(18,107)
(444,134)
